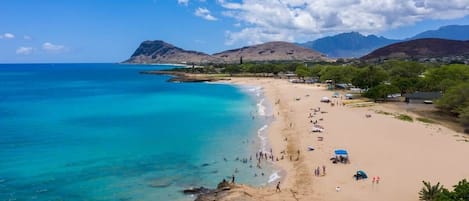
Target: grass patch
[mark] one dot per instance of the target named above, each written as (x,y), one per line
(404,117)
(383,112)
(425,120)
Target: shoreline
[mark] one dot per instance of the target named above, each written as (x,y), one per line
(380,144)
(264,109)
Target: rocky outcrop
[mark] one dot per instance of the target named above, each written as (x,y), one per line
(421,48)
(186,77)
(226,192)
(271,51)
(161,52)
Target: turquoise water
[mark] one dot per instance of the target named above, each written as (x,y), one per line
(106,132)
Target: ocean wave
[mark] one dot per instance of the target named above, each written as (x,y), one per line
(261,107)
(274,177)
(263,138)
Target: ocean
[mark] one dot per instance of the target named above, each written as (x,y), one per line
(106,132)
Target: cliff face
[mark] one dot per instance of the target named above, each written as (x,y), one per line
(162,52)
(422,48)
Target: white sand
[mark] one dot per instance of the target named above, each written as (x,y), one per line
(401,153)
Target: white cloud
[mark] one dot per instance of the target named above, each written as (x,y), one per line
(303,19)
(49,47)
(183,2)
(204,13)
(7,36)
(24,50)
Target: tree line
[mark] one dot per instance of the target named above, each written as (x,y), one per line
(380,80)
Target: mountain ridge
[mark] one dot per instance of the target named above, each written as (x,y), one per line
(158,51)
(450,32)
(421,48)
(348,45)
(355,44)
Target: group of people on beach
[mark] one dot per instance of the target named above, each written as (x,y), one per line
(317,171)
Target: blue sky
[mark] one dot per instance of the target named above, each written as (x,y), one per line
(109,31)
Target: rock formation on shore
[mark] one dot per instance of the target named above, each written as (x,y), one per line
(161,52)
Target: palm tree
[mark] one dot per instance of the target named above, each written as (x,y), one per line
(429,192)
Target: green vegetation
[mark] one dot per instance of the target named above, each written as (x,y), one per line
(379,79)
(430,192)
(425,120)
(381,92)
(405,117)
(436,192)
(456,101)
(383,112)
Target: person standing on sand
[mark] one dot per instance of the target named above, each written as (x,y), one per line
(377,180)
(278,188)
(323,169)
(233,179)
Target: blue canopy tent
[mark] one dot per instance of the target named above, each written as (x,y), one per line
(341,152)
(341,155)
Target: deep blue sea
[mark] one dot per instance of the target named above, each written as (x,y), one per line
(105,132)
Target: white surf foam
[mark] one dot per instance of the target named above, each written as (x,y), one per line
(261,107)
(263,138)
(274,177)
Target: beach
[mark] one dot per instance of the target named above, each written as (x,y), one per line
(400,153)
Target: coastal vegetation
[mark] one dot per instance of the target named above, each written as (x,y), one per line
(378,80)
(439,193)
(425,120)
(405,117)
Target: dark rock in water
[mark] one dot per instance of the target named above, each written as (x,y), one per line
(224,184)
(160,183)
(214,172)
(199,190)
(205,165)
(226,191)
(225,196)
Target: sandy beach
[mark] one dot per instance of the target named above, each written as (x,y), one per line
(401,153)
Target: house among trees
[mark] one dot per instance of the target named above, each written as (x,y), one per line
(422,97)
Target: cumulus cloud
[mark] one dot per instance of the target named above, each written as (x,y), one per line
(298,19)
(183,2)
(53,48)
(24,50)
(204,13)
(7,36)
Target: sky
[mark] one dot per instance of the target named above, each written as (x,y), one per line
(58,31)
